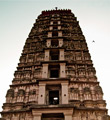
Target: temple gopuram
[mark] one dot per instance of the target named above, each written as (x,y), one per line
(55,77)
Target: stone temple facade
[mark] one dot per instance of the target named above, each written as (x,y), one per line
(55,78)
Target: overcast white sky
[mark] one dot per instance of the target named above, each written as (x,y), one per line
(18,16)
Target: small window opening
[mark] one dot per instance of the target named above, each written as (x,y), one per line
(54,55)
(55,33)
(54,71)
(55,27)
(55,22)
(54,97)
(54,42)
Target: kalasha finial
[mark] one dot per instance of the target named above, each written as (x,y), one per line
(56,8)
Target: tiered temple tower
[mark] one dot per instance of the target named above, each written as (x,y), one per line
(55,78)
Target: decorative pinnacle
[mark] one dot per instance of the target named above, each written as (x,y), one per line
(56,8)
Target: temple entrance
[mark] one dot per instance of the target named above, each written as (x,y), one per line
(54,97)
(53,116)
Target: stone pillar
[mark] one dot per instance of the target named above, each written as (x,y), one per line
(59,22)
(36,116)
(59,27)
(51,27)
(48,43)
(45,71)
(60,42)
(61,54)
(64,93)
(49,34)
(60,34)
(62,70)
(68,114)
(47,52)
(68,117)
(42,91)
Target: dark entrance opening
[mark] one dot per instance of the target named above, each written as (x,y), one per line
(55,22)
(54,73)
(54,97)
(55,27)
(54,43)
(53,116)
(54,55)
(54,33)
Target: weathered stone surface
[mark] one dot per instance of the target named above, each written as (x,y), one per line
(106,117)
(55,78)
